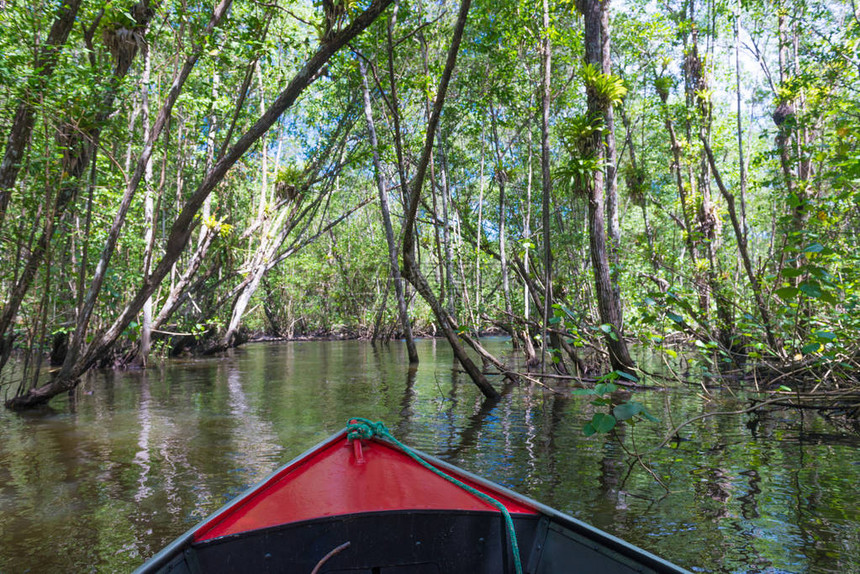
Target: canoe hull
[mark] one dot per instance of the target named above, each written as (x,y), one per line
(397,541)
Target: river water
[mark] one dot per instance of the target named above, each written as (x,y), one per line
(101,482)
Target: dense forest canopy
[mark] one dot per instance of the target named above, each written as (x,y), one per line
(591,178)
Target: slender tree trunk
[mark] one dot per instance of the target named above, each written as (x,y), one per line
(393,256)
(149,208)
(210,152)
(742,166)
(546,178)
(613,225)
(501,179)
(446,229)
(527,231)
(264,160)
(743,248)
(480,234)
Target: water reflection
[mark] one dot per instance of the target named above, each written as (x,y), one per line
(99,483)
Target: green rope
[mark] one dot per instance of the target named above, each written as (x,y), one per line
(360,428)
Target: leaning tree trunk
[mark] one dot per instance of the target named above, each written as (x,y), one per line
(411,271)
(182,228)
(22,125)
(80,150)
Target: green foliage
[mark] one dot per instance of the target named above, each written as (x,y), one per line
(619,411)
(607,89)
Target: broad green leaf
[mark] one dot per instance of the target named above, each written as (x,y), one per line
(588,429)
(628,376)
(628,410)
(787,293)
(811,289)
(810,348)
(677,318)
(828,298)
(582,392)
(790,272)
(602,422)
(826,335)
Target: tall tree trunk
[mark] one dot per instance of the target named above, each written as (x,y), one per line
(210,151)
(613,225)
(264,151)
(149,209)
(393,257)
(546,178)
(708,222)
(527,230)
(609,310)
(502,179)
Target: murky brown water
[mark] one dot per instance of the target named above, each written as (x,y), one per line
(101,483)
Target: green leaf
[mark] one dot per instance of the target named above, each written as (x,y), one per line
(588,429)
(627,376)
(828,298)
(648,416)
(787,293)
(826,335)
(811,289)
(677,318)
(605,388)
(784,389)
(628,410)
(602,422)
(790,272)
(582,392)
(810,348)
(814,248)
